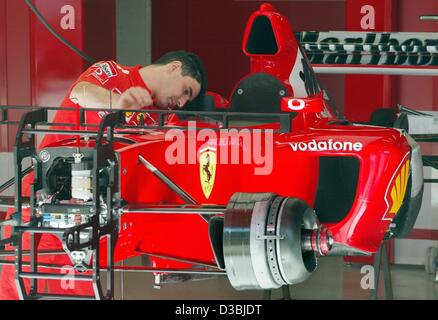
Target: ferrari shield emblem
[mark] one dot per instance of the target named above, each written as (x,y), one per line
(207,166)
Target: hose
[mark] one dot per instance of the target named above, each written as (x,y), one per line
(56,34)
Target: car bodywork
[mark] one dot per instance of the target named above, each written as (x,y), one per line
(331,187)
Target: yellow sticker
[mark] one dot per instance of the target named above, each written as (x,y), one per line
(140,117)
(398,189)
(207,166)
(128,116)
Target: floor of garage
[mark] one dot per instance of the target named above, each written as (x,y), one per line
(333,280)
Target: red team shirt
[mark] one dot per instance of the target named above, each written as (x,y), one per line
(108,75)
(117,78)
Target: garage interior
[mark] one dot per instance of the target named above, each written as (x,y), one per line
(36,69)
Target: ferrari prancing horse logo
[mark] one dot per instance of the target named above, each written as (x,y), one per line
(207,166)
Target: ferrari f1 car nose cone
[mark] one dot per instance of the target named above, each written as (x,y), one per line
(271,241)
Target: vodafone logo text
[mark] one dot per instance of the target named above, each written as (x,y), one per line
(329,145)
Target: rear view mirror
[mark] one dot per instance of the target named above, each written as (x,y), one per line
(309,104)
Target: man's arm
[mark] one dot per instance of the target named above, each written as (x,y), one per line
(89,95)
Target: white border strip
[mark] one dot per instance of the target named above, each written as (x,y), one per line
(377,70)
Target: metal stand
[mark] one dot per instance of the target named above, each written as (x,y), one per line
(103,158)
(267,294)
(381,261)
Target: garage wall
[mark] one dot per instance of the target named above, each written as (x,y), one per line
(214,30)
(133,28)
(6,171)
(419,93)
(14,73)
(54,66)
(15,62)
(3,80)
(35,67)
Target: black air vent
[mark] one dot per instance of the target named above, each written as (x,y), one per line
(261,38)
(337,186)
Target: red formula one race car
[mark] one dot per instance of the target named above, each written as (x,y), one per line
(256,191)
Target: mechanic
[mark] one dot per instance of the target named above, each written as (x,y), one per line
(168,83)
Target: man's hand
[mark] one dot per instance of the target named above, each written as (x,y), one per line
(134,98)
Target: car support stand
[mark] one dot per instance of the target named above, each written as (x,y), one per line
(267,294)
(103,154)
(381,262)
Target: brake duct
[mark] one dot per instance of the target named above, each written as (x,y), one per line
(270,241)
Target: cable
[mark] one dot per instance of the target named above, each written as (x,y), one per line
(11,182)
(56,34)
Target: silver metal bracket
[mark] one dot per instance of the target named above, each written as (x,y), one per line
(270,237)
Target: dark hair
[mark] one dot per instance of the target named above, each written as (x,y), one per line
(191,66)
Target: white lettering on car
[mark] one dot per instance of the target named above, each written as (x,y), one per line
(330,145)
